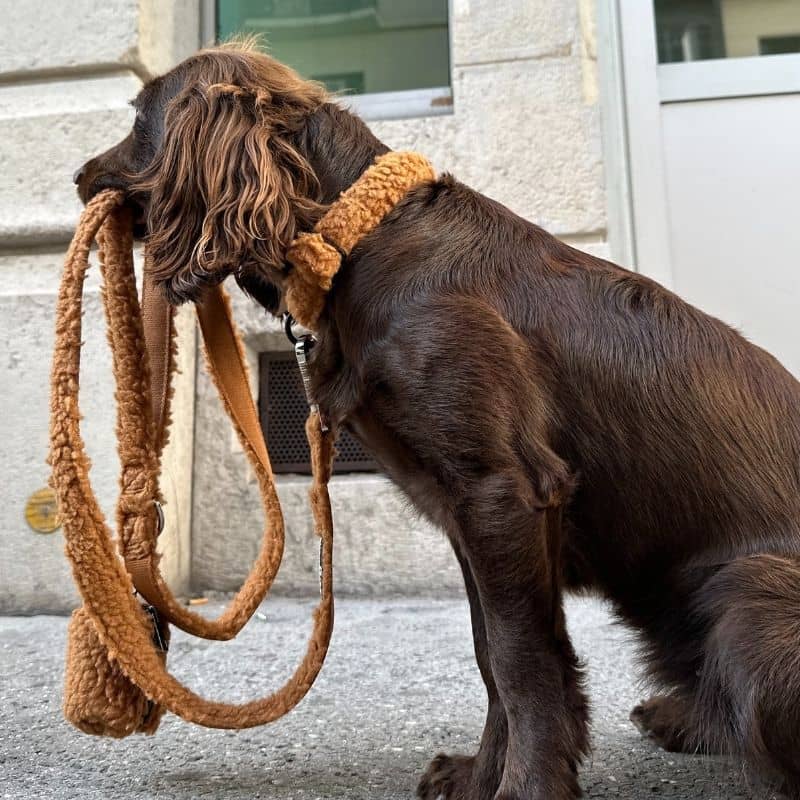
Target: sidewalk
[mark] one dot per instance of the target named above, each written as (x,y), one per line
(400,685)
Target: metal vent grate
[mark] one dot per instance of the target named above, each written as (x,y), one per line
(283,410)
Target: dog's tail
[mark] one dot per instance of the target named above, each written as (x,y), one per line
(749,698)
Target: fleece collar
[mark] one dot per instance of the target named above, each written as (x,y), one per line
(317,256)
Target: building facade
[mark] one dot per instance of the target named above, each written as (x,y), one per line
(507,95)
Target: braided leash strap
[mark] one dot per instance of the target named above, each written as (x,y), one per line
(117,681)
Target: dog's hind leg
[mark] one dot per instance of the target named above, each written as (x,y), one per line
(670,720)
(749,692)
(457,777)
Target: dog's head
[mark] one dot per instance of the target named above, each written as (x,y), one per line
(213,170)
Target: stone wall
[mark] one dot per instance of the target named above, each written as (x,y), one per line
(525,130)
(67,72)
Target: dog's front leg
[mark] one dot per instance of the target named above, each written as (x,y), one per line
(469,440)
(512,549)
(459,777)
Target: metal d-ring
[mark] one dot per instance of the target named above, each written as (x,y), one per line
(288,323)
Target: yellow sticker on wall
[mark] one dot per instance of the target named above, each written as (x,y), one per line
(41,511)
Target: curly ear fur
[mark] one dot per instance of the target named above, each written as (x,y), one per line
(229,189)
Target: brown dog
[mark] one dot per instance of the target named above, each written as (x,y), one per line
(569,424)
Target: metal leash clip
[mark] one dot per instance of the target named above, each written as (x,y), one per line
(302,348)
(160,521)
(158,639)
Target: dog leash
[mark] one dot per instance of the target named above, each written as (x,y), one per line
(117,681)
(116,677)
(315,258)
(227,367)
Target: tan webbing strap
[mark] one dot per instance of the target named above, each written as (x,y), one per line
(227,364)
(158,324)
(159,331)
(228,368)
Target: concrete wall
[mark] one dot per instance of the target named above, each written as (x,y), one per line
(380,548)
(526,131)
(67,71)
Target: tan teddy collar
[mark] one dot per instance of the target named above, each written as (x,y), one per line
(316,257)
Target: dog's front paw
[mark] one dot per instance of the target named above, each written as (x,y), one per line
(447,778)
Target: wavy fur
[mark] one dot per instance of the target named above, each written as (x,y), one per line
(229,189)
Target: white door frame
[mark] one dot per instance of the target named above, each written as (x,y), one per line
(638,227)
(729,77)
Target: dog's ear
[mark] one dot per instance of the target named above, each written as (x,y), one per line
(228,189)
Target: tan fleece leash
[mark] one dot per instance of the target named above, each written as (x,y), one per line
(116,678)
(315,258)
(227,367)
(112,636)
(138,532)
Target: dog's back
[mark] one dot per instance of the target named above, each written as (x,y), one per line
(685,436)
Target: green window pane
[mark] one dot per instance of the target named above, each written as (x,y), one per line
(693,30)
(778,45)
(355,46)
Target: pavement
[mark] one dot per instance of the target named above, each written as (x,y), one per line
(400,685)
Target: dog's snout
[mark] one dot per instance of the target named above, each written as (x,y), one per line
(78,174)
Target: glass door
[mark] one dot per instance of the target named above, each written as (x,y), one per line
(712,110)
